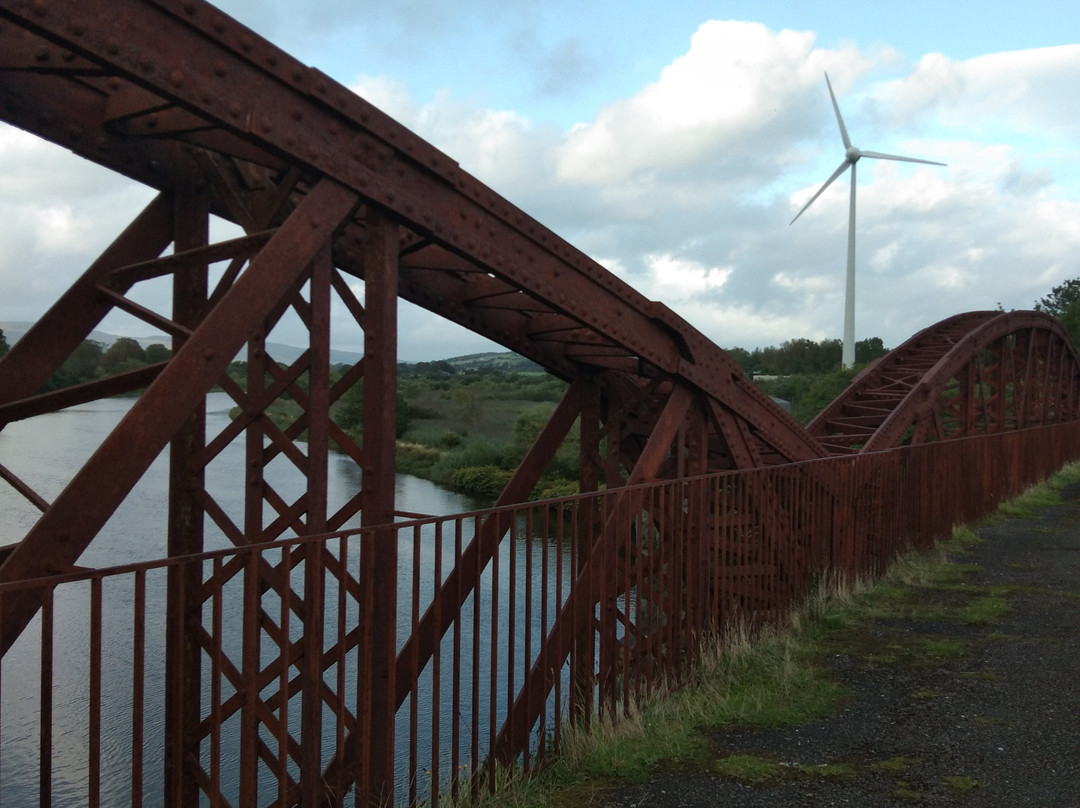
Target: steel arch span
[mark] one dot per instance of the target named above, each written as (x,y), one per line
(323,192)
(971,374)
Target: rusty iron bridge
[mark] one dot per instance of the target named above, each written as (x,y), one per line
(314,660)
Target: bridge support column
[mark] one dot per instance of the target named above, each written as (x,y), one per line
(185,536)
(378,555)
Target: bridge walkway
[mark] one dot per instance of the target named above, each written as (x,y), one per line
(993,726)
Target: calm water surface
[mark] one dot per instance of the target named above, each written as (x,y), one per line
(45,452)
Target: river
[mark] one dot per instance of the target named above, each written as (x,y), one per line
(45,452)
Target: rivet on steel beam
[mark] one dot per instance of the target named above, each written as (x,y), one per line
(246,43)
(234,110)
(190,9)
(41,53)
(39,8)
(208,354)
(146,63)
(272,60)
(78,28)
(297,115)
(219,69)
(176,78)
(112,47)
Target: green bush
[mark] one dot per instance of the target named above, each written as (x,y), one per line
(480,481)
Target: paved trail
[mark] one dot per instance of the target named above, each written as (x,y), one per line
(997,726)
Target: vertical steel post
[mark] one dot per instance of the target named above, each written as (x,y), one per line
(378,555)
(318,411)
(185,524)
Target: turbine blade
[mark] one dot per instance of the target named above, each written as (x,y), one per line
(821,190)
(881,156)
(839,118)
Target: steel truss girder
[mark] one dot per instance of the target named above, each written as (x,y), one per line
(190,75)
(65,530)
(969,374)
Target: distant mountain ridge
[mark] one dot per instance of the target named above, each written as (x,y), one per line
(505,360)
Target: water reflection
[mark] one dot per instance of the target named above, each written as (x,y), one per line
(463,688)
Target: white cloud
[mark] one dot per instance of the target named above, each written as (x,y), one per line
(686,187)
(680,278)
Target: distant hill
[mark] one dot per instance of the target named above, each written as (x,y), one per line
(504,361)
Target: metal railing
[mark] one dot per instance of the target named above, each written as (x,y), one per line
(511,625)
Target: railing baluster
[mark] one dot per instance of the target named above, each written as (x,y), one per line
(216,658)
(414,672)
(455,712)
(46,704)
(138,683)
(436,670)
(94,728)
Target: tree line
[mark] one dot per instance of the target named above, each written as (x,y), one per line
(804,356)
(92,360)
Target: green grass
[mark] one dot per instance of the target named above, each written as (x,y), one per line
(747,768)
(1039,496)
(897,764)
(961,783)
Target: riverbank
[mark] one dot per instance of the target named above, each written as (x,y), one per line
(944,710)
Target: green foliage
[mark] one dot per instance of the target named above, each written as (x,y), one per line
(808,393)
(480,481)
(804,356)
(476,452)
(124,354)
(1060,299)
(1063,302)
(3,343)
(1070,319)
(157,352)
(349,414)
(417,459)
(81,366)
(748,768)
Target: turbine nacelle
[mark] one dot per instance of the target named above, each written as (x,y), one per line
(852,154)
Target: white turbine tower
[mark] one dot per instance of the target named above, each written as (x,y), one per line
(851,157)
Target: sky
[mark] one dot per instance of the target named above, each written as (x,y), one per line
(673,143)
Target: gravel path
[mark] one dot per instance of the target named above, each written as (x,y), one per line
(996,725)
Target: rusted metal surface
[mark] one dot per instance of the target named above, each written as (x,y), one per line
(971,374)
(303,660)
(658,587)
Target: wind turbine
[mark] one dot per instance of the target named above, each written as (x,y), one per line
(851,157)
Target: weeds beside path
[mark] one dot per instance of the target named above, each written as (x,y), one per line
(964,690)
